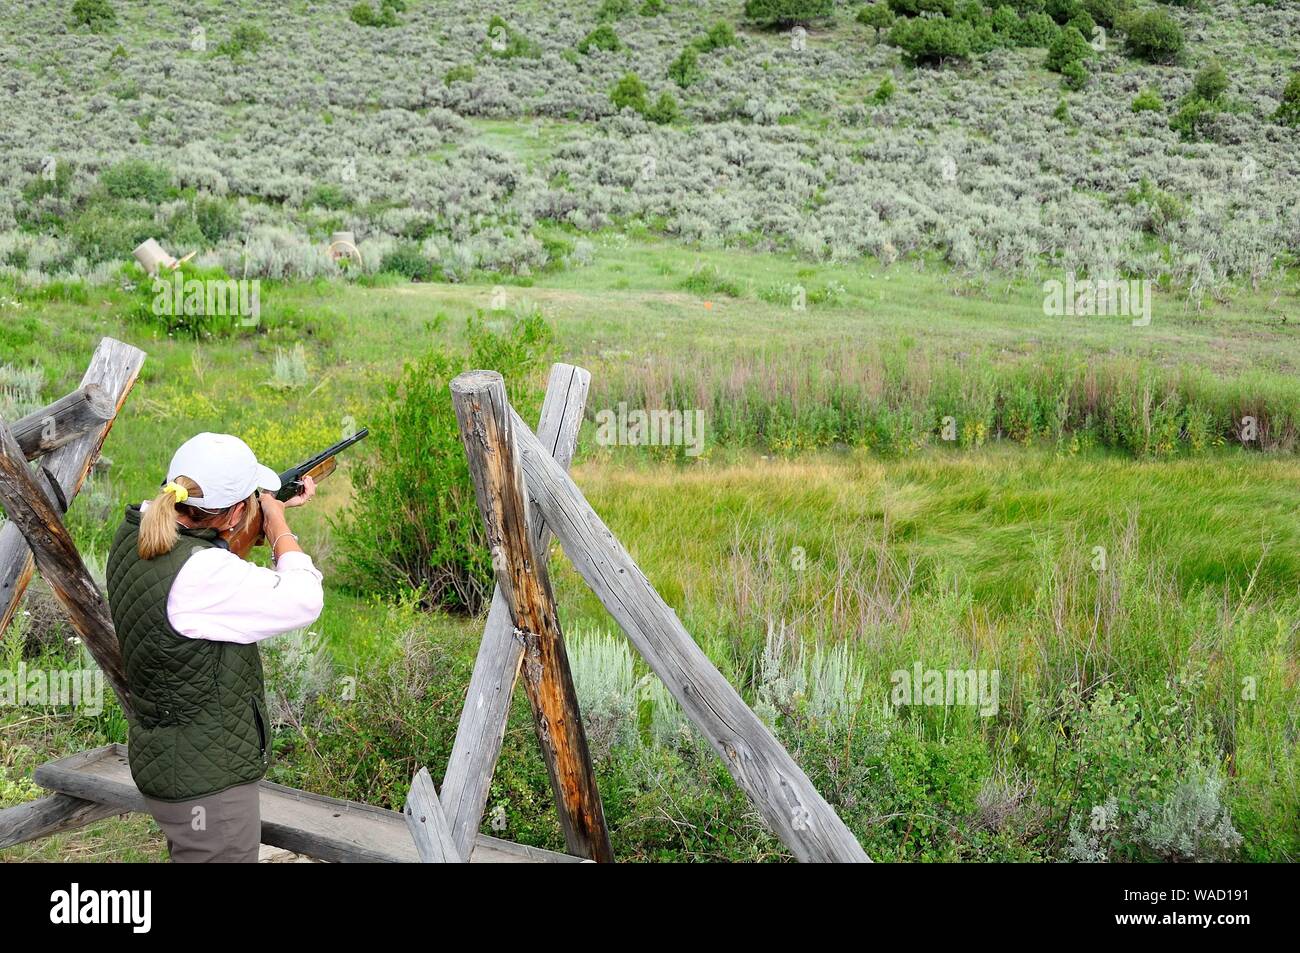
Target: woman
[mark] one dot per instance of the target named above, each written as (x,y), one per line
(189,614)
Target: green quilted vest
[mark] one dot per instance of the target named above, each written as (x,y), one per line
(199,724)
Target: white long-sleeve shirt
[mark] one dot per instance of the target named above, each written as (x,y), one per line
(223,598)
(220,597)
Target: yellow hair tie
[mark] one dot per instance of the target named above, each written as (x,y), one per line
(178,491)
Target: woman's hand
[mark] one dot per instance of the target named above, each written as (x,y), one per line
(308,491)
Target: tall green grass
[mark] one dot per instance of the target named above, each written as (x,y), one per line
(895,399)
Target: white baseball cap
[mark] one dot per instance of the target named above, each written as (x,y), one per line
(224,467)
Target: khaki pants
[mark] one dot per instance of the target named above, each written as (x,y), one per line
(222,828)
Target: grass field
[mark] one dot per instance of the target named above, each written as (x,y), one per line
(953,556)
(836,257)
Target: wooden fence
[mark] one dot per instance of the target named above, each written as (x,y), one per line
(525,497)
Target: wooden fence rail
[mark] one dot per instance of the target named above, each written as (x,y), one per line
(113,368)
(32,508)
(63,421)
(780,790)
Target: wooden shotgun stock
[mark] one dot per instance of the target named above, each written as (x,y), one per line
(241,541)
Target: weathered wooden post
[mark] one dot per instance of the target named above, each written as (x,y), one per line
(428,824)
(113,368)
(487,702)
(32,509)
(796,812)
(484,415)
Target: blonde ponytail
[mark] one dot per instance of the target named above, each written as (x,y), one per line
(158,533)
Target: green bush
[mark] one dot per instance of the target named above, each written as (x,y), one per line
(507,43)
(1074,75)
(1162,209)
(1211,82)
(407,260)
(651,8)
(705,280)
(1105,12)
(1198,108)
(1006,22)
(414,523)
(1068,47)
(1154,37)
(1084,24)
(216,219)
(601,38)
(685,70)
(913,8)
(363,14)
(925,40)
(136,179)
(158,306)
(885,91)
(1148,101)
(327,195)
(98,15)
(877,16)
(720,35)
(787,12)
(1289,112)
(614,10)
(246,38)
(665,110)
(1127,760)
(1062,11)
(458,74)
(629,93)
(1037,29)
(43,185)
(1193,118)
(110,229)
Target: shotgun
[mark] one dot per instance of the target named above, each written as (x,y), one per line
(291,484)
